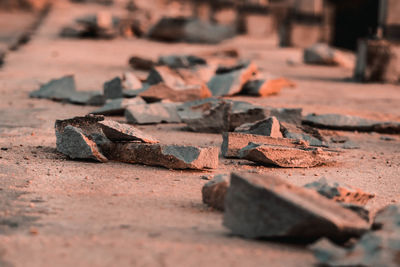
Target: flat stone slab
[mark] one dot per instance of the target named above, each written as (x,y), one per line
(259,206)
(57,89)
(91,98)
(168,156)
(116,131)
(303,132)
(231,82)
(113,88)
(152,113)
(283,156)
(214,191)
(340,192)
(350,123)
(118,106)
(232,143)
(266,127)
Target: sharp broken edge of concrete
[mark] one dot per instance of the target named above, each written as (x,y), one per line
(92,137)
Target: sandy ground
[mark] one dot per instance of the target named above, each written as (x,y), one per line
(58,212)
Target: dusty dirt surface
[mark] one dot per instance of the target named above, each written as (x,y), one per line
(59,212)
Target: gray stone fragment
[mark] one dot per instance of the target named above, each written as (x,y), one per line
(243,112)
(267,127)
(214,191)
(130,81)
(340,192)
(388,218)
(73,143)
(350,123)
(87,98)
(57,89)
(282,156)
(232,143)
(113,88)
(168,156)
(117,106)
(231,82)
(302,132)
(266,206)
(141,63)
(181,61)
(360,210)
(319,54)
(116,131)
(152,113)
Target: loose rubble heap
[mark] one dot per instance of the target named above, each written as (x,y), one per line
(94,138)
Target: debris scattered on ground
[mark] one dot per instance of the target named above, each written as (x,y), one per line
(268,207)
(130,81)
(152,113)
(375,248)
(283,156)
(323,54)
(141,63)
(181,29)
(63,89)
(340,192)
(343,142)
(117,106)
(123,132)
(266,87)
(181,61)
(266,127)
(214,191)
(168,156)
(387,138)
(230,81)
(232,143)
(113,88)
(302,132)
(351,123)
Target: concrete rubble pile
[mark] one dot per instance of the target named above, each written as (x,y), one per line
(93,138)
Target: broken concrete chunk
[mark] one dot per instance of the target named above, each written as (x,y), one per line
(226,83)
(302,132)
(268,207)
(116,131)
(233,142)
(72,142)
(141,63)
(168,156)
(113,89)
(267,127)
(340,192)
(350,123)
(214,191)
(117,106)
(152,113)
(181,61)
(282,156)
(130,81)
(265,87)
(57,89)
(87,98)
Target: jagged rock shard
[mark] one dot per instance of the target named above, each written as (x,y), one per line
(73,143)
(152,113)
(265,87)
(113,89)
(57,89)
(340,192)
(232,143)
(141,63)
(116,131)
(87,98)
(214,191)
(267,127)
(117,106)
(283,156)
(230,82)
(168,156)
(181,61)
(350,123)
(302,132)
(268,207)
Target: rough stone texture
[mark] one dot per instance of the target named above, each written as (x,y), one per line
(181,61)
(266,87)
(113,89)
(289,115)
(116,131)
(302,132)
(266,206)
(168,156)
(117,106)
(231,82)
(283,156)
(360,210)
(190,30)
(57,89)
(73,143)
(340,192)
(267,127)
(350,123)
(152,113)
(243,112)
(87,98)
(130,81)
(388,218)
(141,63)
(232,143)
(214,191)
